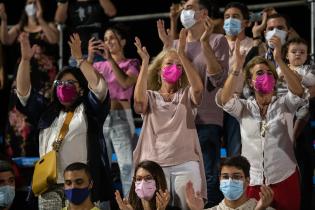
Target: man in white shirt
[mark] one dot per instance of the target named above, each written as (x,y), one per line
(234,179)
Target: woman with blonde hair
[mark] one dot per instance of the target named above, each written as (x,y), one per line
(168,105)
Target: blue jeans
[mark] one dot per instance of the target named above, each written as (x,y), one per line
(231,135)
(118,133)
(210,141)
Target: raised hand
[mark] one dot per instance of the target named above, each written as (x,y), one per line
(142,51)
(276,42)
(259,28)
(3,14)
(175,10)
(239,56)
(162,199)
(209,26)
(93,48)
(165,35)
(75,46)
(182,41)
(266,197)
(194,200)
(122,203)
(27,51)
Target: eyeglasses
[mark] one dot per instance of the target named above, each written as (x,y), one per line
(145,178)
(65,83)
(232,176)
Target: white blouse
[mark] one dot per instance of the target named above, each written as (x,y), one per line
(267,144)
(73,147)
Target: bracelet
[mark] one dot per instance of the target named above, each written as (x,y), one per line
(79,62)
(257,37)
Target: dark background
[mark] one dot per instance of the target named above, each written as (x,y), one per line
(146,29)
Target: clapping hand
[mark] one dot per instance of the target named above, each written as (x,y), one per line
(239,56)
(165,35)
(266,197)
(27,51)
(162,199)
(182,41)
(175,10)
(194,200)
(141,50)
(122,203)
(276,42)
(209,26)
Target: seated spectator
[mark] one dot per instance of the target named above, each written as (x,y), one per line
(266,122)
(7,186)
(168,104)
(148,189)
(78,184)
(83,109)
(234,180)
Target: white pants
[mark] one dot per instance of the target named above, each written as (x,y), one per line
(177,178)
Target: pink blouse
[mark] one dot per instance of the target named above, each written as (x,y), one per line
(116,91)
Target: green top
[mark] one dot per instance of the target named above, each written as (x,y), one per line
(94,208)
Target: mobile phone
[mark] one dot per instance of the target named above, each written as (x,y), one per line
(255,16)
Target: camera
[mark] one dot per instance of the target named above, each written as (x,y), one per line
(255,17)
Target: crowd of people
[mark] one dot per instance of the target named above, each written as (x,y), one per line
(212,84)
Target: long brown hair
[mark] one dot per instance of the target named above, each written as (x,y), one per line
(157,172)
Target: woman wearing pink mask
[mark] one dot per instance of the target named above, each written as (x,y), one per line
(167,94)
(81,94)
(266,122)
(148,189)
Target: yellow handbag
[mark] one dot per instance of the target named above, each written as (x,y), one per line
(45,173)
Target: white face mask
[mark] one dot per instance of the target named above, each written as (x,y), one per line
(276,32)
(187,17)
(30,9)
(7,194)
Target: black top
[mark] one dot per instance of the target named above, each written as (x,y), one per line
(87,19)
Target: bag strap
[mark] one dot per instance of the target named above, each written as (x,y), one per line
(63,131)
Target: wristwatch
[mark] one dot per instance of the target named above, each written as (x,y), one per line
(79,62)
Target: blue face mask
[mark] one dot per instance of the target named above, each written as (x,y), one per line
(232,26)
(7,194)
(77,195)
(232,189)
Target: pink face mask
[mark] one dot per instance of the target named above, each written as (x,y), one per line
(171,74)
(145,189)
(264,83)
(66,93)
